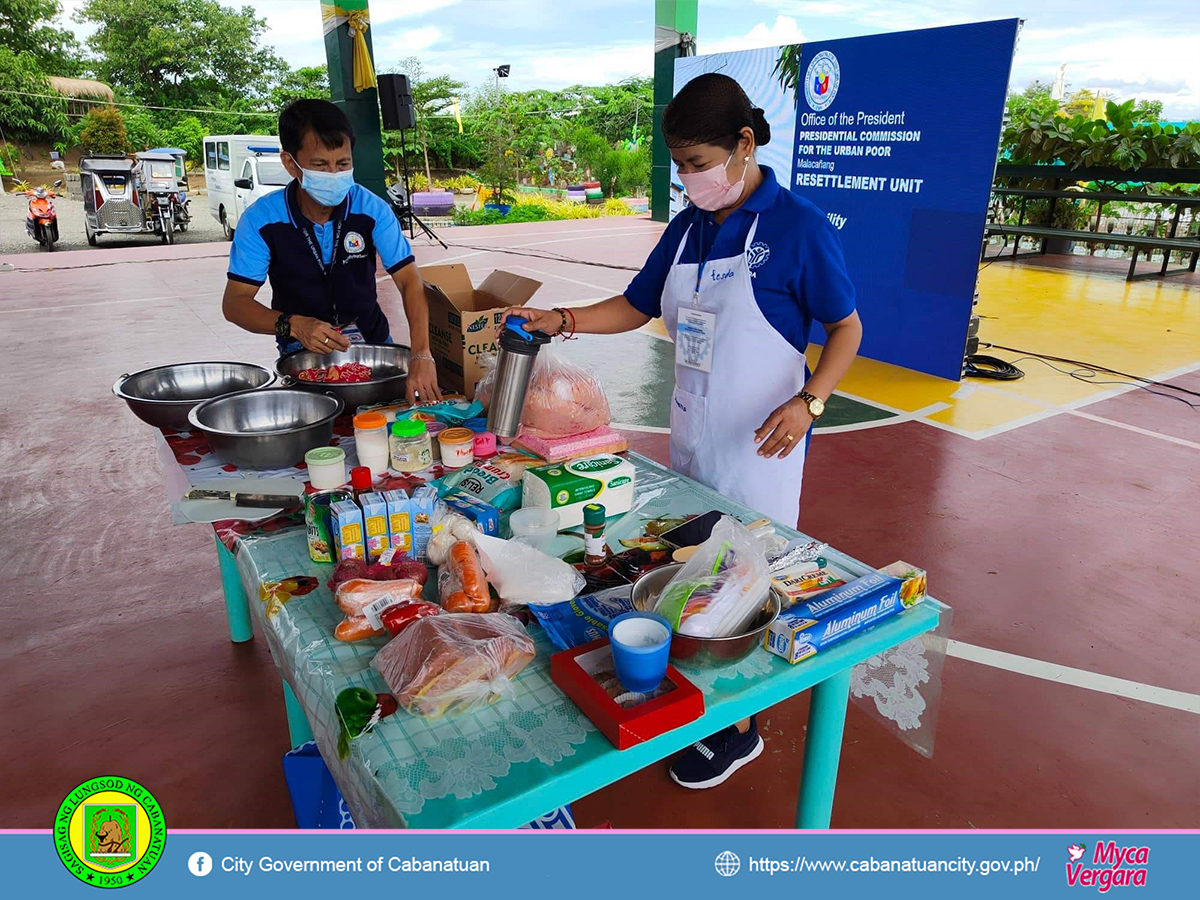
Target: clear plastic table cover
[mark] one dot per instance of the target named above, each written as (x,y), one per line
(431,773)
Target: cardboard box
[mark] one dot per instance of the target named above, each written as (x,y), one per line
(421,505)
(574,672)
(805,629)
(375,523)
(464,320)
(484,516)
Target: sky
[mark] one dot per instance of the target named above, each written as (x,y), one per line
(1149,49)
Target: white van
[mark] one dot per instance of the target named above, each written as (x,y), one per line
(240,168)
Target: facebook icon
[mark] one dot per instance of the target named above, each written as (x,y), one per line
(200,864)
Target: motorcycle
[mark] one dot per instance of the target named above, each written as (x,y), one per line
(160,210)
(41,221)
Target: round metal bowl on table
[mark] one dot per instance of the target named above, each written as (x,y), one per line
(389,373)
(163,396)
(698,652)
(268,429)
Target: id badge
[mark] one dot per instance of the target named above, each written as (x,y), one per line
(695,333)
(352,334)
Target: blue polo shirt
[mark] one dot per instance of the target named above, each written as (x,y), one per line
(796,265)
(275,241)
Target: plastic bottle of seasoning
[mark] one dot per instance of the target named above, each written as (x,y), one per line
(410,446)
(458,447)
(371,440)
(360,481)
(326,467)
(595,548)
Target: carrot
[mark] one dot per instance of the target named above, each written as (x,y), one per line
(465,568)
(355,628)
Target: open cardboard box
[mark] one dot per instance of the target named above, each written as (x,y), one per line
(464,320)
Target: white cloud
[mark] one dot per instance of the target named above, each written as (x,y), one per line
(406,42)
(383,11)
(785,31)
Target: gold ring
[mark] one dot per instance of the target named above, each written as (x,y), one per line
(326,340)
(790,438)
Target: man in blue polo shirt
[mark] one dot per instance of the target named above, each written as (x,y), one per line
(316,242)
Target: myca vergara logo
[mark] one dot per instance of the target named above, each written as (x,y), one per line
(353,242)
(1110,866)
(109,832)
(821,80)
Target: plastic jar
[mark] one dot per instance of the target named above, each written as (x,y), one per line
(485,444)
(410,448)
(371,440)
(458,447)
(435,429)
(326,467)
(536,527)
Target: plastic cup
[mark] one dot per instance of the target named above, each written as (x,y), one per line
(640,643)
(535,527)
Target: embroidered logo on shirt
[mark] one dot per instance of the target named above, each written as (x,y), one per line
(353,242)
(757,255)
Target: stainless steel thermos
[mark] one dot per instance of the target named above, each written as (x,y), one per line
(514,367)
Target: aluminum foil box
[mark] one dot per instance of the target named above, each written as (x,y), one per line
(803,631)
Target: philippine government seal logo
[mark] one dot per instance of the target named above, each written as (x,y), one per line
(353,242)
(821,80)
(109,832)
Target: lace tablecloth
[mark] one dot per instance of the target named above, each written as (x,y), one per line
(436,773)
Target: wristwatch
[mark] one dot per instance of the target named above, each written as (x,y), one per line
(283,326)
(816,406)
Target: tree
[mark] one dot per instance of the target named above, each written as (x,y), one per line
(436,132)
(141,131)
(33,111)
(188,135)
(104,131)
(1033,102)
(1148,110)
(28,27)
(182,53)
(308,82)
(1080,103)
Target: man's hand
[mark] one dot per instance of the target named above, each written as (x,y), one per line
(545,320)
(784,429)
(318,336)
(422,381)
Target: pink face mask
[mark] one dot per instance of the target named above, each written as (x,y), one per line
(711,189)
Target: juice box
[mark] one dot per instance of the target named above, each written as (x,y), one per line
(346,523)
(805,629)
(399,512)
(485,516)
(421,506)
(375,523)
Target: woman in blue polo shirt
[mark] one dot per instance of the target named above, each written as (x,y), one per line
(738,278)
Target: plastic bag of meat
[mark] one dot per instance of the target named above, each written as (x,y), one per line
(562,398)
(454,662)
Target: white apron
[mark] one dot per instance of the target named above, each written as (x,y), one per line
(753,370)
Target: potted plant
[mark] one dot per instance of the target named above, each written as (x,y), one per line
(1068,215)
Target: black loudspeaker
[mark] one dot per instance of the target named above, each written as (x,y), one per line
(395,102)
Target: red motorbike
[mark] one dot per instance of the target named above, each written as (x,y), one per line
(41,222)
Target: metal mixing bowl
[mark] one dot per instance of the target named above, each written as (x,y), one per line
(163,396)
(389,373)
(267,429)
(698,652)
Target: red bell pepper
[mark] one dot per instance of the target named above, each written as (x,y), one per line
(396,618)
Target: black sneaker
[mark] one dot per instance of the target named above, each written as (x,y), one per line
(711,761)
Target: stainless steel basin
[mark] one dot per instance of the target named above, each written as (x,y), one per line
(163,396)
(267,429)
(389,373)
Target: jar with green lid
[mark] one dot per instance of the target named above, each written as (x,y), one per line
(410,447)
(326,467)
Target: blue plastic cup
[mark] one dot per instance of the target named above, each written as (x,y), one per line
(640,643)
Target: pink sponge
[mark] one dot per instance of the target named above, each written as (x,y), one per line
(574,446)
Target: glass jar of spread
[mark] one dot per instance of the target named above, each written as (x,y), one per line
(458,447)
(410,448)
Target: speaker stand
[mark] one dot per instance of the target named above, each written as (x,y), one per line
(414,221)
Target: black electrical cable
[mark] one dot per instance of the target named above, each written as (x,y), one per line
(1088,374)
(1094,367)
(547,255)
(980,366)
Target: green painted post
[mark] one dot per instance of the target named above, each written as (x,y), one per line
(362,107)
(680,15)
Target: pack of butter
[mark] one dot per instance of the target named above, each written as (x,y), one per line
(810,626)
(805,580)
(568,487)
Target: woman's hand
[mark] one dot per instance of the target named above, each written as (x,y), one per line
(545,320)
(422,380)
(318,336)
(784,429)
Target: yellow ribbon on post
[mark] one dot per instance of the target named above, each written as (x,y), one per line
(358,21)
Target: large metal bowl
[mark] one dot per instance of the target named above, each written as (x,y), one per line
(163,396)
(705,653)
(389,373)
(267,429)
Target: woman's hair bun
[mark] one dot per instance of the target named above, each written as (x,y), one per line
(762,128)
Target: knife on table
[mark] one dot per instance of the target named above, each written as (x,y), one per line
(245,498)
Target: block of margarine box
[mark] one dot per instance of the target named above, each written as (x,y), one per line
(568,487)
(422,504)
(914,578)
(346,523)
(805,629)
(375,524)
(399,520)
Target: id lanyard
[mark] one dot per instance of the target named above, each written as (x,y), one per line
(703,263)
(326,269)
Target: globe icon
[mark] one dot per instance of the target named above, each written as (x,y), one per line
(728,863)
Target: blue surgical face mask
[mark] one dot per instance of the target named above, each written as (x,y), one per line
(327,188)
